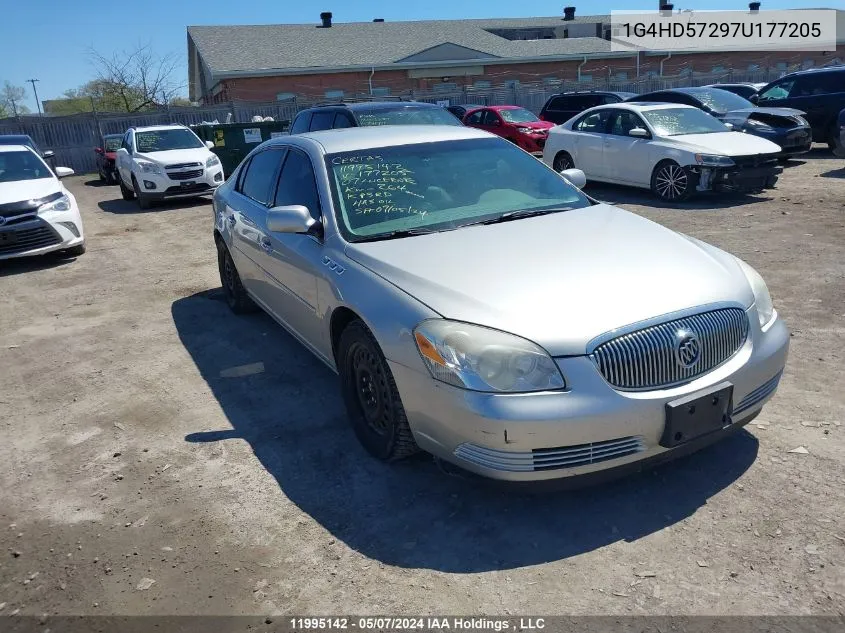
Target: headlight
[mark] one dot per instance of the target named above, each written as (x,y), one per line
(524,130)
(759,126)
(481,359)
(212,161)
(59,204)
(710,160)
(762,298)
(149,168)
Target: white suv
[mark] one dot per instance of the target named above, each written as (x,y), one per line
(166,161)
(37,214)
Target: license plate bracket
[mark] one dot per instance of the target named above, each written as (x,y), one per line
(187,183)
(696,415)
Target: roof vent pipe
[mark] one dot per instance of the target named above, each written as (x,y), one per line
(379,20)
(568,13)
(754,7)
(666,9)
(326,17)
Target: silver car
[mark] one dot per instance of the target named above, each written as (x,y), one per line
(478,306)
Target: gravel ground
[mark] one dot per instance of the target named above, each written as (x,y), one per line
(135,479)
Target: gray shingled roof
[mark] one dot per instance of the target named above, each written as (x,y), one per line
(300,46)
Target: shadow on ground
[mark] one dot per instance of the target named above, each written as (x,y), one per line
(708,201)
(120,206)
(22,265)
(413,514)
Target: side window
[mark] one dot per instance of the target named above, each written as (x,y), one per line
(821,84)
(605,99)
(780,90)
(595,122)
(475,117)
(491,118)
(257,182)
(297,184)
(589,101)
(341,120)
(622,122)
(558,104)
(130,145)
(321,121)
(301,123)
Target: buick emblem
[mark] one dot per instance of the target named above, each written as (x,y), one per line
(688,349)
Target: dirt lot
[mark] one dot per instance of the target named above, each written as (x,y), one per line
(126,458)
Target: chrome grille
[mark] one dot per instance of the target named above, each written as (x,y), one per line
(645,359)
(182,165)
(550,458)
(184,175)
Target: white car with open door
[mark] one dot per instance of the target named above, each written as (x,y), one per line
(674,150)
(37,214)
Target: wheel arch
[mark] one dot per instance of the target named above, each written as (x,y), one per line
(341,317)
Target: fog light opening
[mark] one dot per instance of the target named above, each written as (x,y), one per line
(148,184)
(70,226)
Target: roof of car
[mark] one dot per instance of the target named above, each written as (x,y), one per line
(375,105)
(14,148)
(7,139)
(364,138)
(114,135)
(148,128)
(642,106)
(618,93)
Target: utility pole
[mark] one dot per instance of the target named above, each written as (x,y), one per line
(35,92)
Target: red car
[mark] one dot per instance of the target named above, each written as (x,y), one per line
(105,158)
(513,123)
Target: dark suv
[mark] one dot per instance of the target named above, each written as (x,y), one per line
(819,92)
(329,116)
(562,107)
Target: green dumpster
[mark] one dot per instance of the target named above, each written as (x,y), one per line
(233,141)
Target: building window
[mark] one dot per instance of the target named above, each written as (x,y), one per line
(483,84)
(621,76)
(782,66)
(585,78)
(380,92)
(807,63)
(686,71)
(652,73)
(718,69)
(753,67)
(445,87)
(334,94)
(551,81)
(512,83)
(285,96)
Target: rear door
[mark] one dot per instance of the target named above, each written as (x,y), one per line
(246,214)
(591,133)
(626,157)
(821,95)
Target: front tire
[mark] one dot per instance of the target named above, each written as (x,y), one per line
(563,161)
(144,202)
(236,296)
(671,183)
(125,191)
(371,397)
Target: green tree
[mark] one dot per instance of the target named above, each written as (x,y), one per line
(11,99)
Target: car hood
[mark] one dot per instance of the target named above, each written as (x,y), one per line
(536,125)
(175,156)
(773,111)
(727,144)
(21,190)
(559,280)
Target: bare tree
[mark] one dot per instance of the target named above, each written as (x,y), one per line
(138,79)
(11,99)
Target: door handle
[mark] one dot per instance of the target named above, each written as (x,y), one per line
(232,220)
(266,244)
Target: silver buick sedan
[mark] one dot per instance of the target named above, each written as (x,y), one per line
(478,306)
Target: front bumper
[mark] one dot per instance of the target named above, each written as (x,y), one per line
(736,178)
(195,181)
(533,143)
(589,428)
(31,234)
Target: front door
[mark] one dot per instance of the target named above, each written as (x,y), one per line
(626,156)
(591,132)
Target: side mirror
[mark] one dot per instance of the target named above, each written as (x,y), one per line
(730,126)
(754,99)
(638,132)
(294,218)
(62,172)
(576,177)
(48,154)
(98,150)
(209,144)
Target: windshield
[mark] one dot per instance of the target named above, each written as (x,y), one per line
(407,116)
(163,140)
(440,186)
(22,165)
(519,115)
(679,121)
(721,101)
(113,144)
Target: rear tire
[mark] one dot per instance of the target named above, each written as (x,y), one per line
(371,397)
(671,183)
(236,296)
(125,191)
(563,161)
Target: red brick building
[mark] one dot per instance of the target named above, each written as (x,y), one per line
(330,60)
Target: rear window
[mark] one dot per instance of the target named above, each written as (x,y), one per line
(300,123)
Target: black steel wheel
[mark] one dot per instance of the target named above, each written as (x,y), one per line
(671,182)
(563,161)
(371,397)
(236,296)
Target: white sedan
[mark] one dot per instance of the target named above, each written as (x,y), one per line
(674,150)
(37,214)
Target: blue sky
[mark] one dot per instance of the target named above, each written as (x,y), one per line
(49,39)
